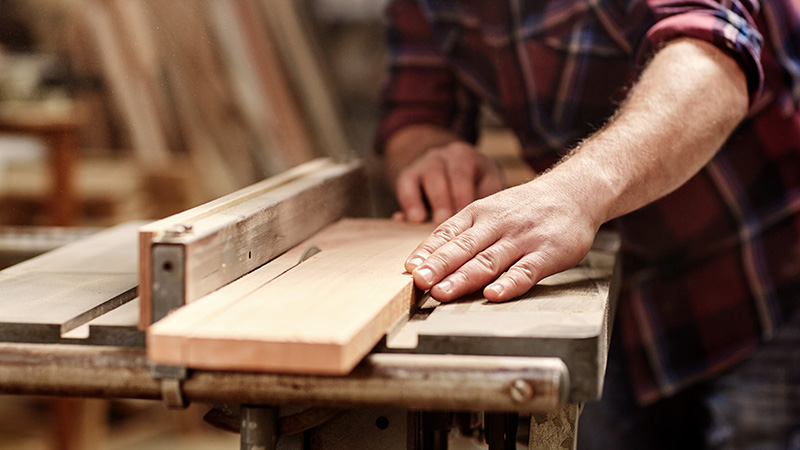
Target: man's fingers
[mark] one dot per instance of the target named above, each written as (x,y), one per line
(440,236)
(475,273)
(436,185)
(462,180)
(451,255)
(409,195)
(445,180)
(519,279)
(463,172)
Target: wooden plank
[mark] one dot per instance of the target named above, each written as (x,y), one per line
(322,316)
(136,107)
(259,88)
(21,243)
(45,297)
(236,234)
(138,46)
(301,56)
(119,327)
(286,122)
(225,152)
(107,251)
(247,93)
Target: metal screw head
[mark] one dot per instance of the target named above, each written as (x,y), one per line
(179,229)
(521,391)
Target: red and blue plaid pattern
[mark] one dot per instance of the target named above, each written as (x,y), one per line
(711,269)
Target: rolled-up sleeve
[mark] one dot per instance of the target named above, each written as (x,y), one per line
(729,25)
(420,87)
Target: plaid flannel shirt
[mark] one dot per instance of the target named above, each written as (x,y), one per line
(711,269)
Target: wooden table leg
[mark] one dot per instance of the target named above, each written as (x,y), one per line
(59,129)
(556,430)
(79,424)
(63,202)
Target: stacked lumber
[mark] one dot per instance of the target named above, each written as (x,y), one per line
(234,84)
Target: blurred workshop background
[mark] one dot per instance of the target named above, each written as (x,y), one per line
(117,110)
(138,109)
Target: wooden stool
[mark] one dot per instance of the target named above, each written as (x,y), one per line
(58,128)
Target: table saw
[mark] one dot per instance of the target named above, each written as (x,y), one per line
(93,319)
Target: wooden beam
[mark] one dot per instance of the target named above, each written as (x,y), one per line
(288,25)
(236,234)
(286,121)
(319,317)
(131,94)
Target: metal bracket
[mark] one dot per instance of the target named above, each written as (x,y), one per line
(168,279)
(171,378)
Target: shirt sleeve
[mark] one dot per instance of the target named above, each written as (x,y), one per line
(420,86)
(728,24)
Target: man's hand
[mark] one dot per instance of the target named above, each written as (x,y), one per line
(473,248)
(448,178)
(434,169)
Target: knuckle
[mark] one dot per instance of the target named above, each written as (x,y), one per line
(473,208)
(445,232)
(459,147)
(487,262)
(467,243)
(522,276)
(407,183)
(425,164)
(411,172)
(436,155)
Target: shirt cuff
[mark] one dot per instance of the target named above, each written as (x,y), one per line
(728,31)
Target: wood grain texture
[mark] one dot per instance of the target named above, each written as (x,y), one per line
(130,93)
(287,124)
(52,294)
(292,32)
(322,316)
(236,234)
(211,81)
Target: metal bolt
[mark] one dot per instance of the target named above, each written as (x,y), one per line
(179,229)
(521,391)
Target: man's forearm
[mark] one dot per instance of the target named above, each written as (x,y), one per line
(687,102)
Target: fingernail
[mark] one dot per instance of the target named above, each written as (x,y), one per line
(425,274)
(445,286)
(414,262)
(497,288)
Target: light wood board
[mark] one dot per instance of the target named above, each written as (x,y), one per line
(321,316)
(43,298)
